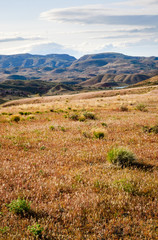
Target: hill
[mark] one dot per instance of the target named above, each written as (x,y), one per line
(149,82)
(110,80)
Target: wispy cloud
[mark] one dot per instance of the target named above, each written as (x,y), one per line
(15,39)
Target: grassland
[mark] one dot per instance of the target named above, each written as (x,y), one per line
(54,162)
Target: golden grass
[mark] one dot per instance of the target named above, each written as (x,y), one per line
(74,192)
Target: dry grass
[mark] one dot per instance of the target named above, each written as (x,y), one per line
(74,192)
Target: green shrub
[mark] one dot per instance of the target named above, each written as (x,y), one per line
(120,156)
(15,118)
(36,230)
(19,206)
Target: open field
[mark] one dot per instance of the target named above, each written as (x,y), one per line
(51,157)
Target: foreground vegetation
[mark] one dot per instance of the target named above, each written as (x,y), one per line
(82,167)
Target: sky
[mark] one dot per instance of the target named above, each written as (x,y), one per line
(79,27)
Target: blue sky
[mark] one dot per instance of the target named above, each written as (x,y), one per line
(79,27)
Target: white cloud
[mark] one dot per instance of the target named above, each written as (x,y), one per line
(102,15)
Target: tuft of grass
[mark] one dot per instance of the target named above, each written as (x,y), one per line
(74,116)
(104,124)
(125,185)
(99,133)
(124,108)
(89,115)
(36,230)
(15,118)
(121,157)
(52,127)
(153,129)
(141,107)
(19,206)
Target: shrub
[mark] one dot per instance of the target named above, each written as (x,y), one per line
(120,156)
(36,230)
(19,206)
(15,118)
(98,133)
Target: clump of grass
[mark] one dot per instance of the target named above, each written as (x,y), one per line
(52,127)
(104,124)
(36,230)
(141,107)
(153,129)
(124,108)
(82,118)
(15,118)
(30,117)
(89,115)
(99,133)
(74,116)
(62,128)
(121,157)
(126,185)
(19,206)
(86,134)
(42,148)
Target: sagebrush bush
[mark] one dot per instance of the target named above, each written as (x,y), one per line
(121,157)
(19,206)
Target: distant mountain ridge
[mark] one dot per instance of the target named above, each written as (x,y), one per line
(115,68)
